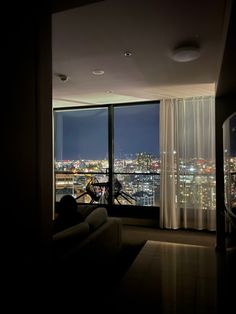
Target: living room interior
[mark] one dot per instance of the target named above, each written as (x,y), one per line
(211,77)
(104,71)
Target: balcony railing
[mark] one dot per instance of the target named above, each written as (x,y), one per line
(141,189)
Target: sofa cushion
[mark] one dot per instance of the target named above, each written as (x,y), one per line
(96,218)
(76,232)
(85,210)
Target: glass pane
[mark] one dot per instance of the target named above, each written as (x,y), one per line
(86,189)
(138,189)
(136,152)
(136,139)
(229,133)
(81,147)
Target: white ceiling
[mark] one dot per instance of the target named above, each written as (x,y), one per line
(97,35)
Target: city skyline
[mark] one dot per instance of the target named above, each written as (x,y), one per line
(83,134)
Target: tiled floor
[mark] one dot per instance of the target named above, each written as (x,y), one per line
(177,278)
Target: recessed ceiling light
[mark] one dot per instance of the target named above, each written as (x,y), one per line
(98,72)
(128,53)
(63,77)
(185,53)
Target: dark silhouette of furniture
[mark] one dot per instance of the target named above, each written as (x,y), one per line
(99,191)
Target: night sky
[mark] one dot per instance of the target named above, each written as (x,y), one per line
(232,127)
(136,129)
(85,132)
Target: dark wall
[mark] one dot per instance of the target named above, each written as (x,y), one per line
(27,166)
(61,5)
(227,83)
(27,134)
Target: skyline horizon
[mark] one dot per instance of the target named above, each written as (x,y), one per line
(83,134)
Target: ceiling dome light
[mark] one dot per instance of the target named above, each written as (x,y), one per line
(98,72)
(185,53)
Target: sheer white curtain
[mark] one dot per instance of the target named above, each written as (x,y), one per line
(169,211)
(187,149)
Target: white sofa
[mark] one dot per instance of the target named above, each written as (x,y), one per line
(96,240)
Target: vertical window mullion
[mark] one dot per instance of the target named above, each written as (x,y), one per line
(111,152)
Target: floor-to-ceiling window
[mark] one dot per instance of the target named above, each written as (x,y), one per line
(116,142)
(136,153)
(124,154)
(81,152)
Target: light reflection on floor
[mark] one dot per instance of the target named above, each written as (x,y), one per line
(177,278)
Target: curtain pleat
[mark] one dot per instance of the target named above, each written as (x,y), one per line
(187,153)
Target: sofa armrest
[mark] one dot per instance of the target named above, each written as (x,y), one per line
(100,247)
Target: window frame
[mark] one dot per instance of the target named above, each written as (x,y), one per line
(111,173)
